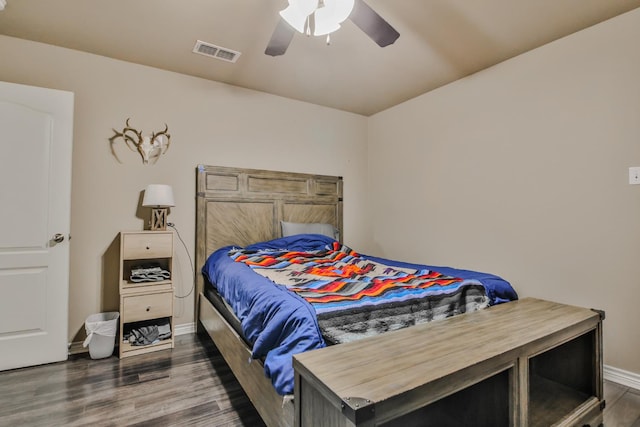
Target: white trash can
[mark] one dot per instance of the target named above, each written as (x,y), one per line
(101,331)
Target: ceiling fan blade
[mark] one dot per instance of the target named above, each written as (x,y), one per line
(373,24)
(281,38)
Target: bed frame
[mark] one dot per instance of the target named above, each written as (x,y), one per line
(526,363)
(243,206)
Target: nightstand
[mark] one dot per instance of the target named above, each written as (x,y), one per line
(146,287)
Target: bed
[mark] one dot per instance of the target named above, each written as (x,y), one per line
(241,212)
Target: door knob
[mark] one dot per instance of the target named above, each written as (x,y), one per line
(57,238)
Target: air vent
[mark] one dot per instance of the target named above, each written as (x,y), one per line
(222,53)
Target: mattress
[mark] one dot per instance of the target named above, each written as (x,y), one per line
(211,294)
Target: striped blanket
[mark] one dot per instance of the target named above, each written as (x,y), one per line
(356,297)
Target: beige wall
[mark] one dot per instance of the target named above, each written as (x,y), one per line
(522,170)
(209,123)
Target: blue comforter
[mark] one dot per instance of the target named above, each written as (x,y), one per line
(279,323)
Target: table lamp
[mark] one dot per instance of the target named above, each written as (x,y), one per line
(158,197)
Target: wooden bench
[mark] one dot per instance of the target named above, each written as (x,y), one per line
(524,363)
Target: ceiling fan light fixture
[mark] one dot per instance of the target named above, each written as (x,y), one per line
(325,27)
(327,15)
(331,14)
(297,13)
(322,17)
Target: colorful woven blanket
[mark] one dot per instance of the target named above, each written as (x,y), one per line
(355,297)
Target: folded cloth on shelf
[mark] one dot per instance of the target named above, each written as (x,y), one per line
(149,274)
(149,333)
(144,335)
(164,331)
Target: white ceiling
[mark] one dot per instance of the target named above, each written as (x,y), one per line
(440,41)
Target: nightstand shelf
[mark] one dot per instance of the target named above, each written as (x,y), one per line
(133,350)
(143,302)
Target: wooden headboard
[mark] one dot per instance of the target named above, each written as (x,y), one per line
(243,206)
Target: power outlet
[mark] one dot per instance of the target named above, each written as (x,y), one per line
(634,175)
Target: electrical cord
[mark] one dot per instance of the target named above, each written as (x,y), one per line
(193,271)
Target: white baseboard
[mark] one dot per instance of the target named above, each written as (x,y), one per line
(186,328)
(622,377)
(77,348)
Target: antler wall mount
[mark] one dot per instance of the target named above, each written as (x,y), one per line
(150,147)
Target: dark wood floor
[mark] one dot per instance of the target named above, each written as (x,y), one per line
(187,386)
(623,406)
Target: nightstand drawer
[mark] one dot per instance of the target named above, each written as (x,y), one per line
(149,306)
(147,245)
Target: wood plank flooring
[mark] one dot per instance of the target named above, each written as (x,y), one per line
(623,406)
(190,385)
(187,386)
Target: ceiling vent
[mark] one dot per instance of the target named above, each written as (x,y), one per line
(222,53)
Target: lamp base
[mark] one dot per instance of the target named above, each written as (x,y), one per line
(158,219)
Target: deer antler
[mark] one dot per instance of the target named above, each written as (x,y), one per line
(131,143)
(164,132)
(148,147)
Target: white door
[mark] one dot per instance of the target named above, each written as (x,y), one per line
(36,128)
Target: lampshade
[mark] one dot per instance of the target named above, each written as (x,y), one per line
(158,195)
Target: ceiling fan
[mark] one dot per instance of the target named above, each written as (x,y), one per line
(322,17)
